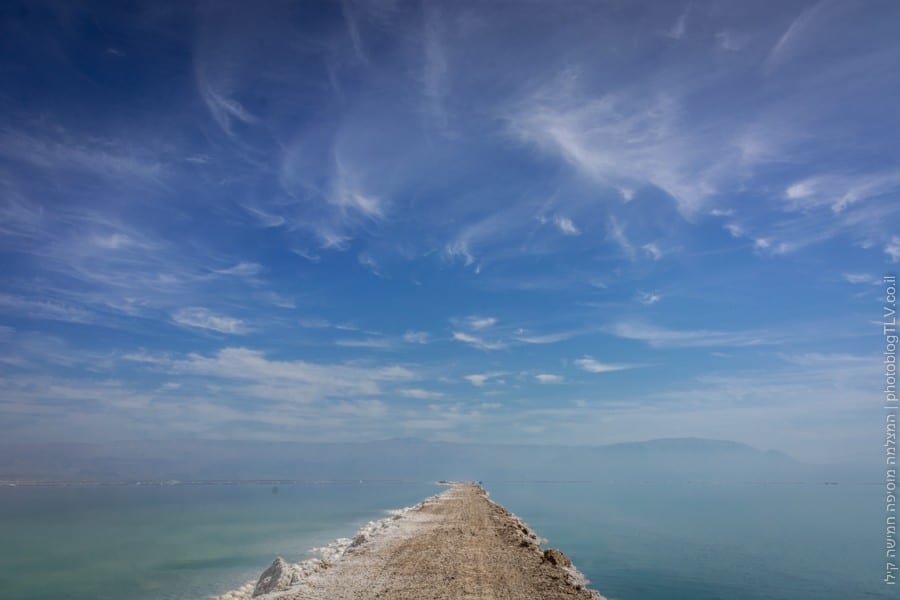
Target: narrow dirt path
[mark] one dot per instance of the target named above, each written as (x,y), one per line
(459,545)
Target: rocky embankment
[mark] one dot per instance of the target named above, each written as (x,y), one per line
(456,545)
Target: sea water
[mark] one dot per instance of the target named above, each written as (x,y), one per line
(174,542)
(648,541)
(667,541)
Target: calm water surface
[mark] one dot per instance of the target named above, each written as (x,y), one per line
(634,541)
(705,542)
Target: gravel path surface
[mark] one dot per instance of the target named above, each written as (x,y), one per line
(458,545)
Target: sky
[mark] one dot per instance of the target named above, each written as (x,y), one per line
(545,222)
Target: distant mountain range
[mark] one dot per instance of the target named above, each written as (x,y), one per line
(681,459)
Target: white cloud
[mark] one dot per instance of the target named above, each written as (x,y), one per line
(616,233)
(764,244)
(679,28)
(652,250)
(276,299)
(421,394)
(861,278)
(263,218)
(476,322)
(548,378)
(799,190)
(660,337)
(735,230)
(242,269)
(477,342)
(892,248)
(36,308)
(729,40)
(348,195)
(329,239)
(594,366)
(203,318)
(839,191)
(307,254)
(285,380)
(623,140)
(566,226)
(59,151)
(648,297)
(479,379)
(459,249)
(224,110)
(116,241)
(370,263)
(548,338)
(416,337)
(782,47)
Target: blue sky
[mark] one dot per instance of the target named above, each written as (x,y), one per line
(578,222)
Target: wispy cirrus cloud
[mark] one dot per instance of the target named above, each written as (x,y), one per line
(349,196)
(421,394)
(795,30)
(264,218)
(652,250)
(591,365)
(566,225)
(679,28)
(477,322)
(299,380)
(62,150)
(480,379)
(648,298)
(478,342)
(861,278)
(616,234)
(241,269)
(225,110)
(435,67)
(661,337)
(202,318)
(549,338)
(839,191)
(38,308)
(622,140)
(371,342)
(892,248)
(416,337)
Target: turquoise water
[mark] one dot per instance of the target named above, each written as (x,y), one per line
(634,541)
(171,542)
(706,542)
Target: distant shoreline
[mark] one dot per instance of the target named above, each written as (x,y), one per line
(287,482)
(198,482)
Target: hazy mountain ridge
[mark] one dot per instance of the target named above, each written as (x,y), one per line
(406,458)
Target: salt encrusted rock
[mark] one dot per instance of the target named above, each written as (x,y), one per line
(556,557)
(278,577)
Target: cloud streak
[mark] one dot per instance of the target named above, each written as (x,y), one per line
(592,365)
(202,318)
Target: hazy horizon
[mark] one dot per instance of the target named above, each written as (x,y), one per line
(412,459)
